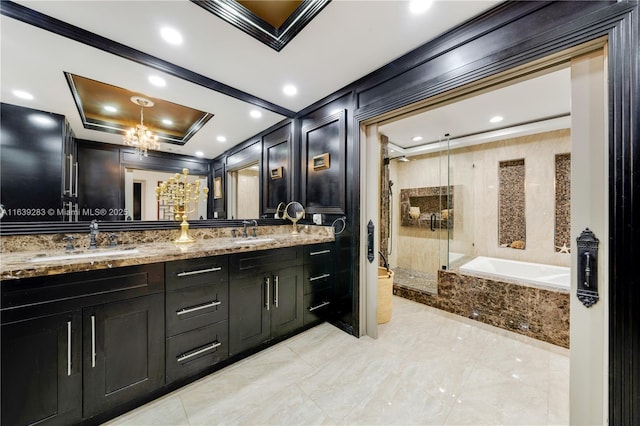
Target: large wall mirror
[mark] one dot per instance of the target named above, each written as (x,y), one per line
(244,192)
(28,64)
(141,203)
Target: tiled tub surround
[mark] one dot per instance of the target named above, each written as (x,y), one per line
(151,246)
(539,313)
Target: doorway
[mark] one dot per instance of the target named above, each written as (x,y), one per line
(585,126)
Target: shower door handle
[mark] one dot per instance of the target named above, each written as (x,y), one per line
(433,222)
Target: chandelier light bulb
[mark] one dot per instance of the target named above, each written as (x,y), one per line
(140,137)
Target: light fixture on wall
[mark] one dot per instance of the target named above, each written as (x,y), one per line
(141,138)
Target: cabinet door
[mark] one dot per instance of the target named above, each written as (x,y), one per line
(42,370)
(287,301)
(123,352)
(249,312)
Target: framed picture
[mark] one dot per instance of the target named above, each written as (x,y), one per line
(276,173)
(217,188)
(321,161)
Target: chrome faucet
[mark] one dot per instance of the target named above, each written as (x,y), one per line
(93,231)
(249,222)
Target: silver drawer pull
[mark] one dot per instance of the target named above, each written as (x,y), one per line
(93,341)
(322,305)
(319,277)
(199,271)
(314,253)
(199,307)
(68,348)
(198,351)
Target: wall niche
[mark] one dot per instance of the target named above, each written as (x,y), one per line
(512,229)
(562,234)
(427,207)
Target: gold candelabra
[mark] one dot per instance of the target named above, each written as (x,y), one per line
(178,192)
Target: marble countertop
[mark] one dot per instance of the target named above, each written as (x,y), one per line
(15,265)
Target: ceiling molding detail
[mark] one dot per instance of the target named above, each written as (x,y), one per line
(90,95)
(242,18)
(56,26)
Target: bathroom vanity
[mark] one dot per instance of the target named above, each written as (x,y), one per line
(87,338)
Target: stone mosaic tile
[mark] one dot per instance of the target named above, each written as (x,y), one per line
(563,202)
(511,203)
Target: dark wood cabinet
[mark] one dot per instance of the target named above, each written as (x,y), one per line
(42,370)
(197,312)
(123,352)
(265,297)
(263,307)
(34,164)
(78,345)
(319,277)
(82,346)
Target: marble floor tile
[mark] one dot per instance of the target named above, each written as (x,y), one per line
(427,367)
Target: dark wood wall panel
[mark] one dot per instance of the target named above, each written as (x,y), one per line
(100,183)
(276,157)
(323,188)
(31,165)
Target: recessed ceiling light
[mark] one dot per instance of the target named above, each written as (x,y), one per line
(392,150)
(221,139)
(167,121)
(171,36)
(255,113)
(416,138)
(496,119)
(419,6)
(110,108)
(157,81)
(199,154)
(290,90)
(23,95)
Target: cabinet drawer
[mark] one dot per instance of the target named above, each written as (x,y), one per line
(194,351)
(197,306)
(317,305)
(249,264)
(187,273)
(38,296)
(318,252)
(318,276)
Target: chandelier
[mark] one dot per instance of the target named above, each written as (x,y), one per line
(141,138)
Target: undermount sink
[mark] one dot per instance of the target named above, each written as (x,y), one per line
(84,255)
(253,240)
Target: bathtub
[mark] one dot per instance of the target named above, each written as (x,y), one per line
(547,276)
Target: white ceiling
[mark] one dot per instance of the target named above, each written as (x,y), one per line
(542,103)
(346,41)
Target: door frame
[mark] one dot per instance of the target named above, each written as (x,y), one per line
(365,118)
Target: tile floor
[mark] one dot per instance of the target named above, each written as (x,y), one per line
(427,367)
